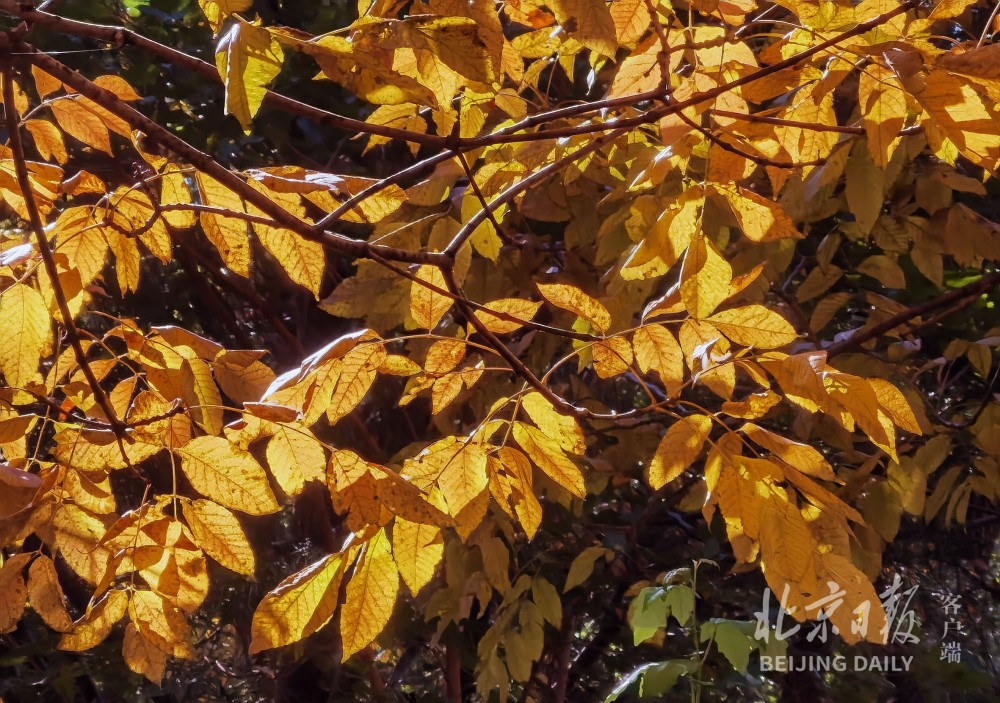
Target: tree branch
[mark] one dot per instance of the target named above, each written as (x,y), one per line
(983,285)
(38,227)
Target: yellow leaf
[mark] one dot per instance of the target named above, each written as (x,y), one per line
(754,326)
(202,395)
(216,11)
(15,595)
(94,627)
(588,22)
(563,429)
(444,391)
(220,534)
(458,466)
(417,550)
(705,278)
(48,140)
(656,349)
(895,405)
(760,219)
(549,457)
(512,470)
(754,406)
(227,475)
(399,365)
(241,375)
(160,623)
(302,260)
(612,357)
(46,595)
(681,445)
(27,333)
(79,122)
(631,18)
(427,307)
(883,107)
(515,307)
(299,606)
(803,457)
(371,595)
(294,457)
(444,356)
(77,533)
(248,58)
(142,657)
(576,301)
(583,566)
(228,234)
(358,369)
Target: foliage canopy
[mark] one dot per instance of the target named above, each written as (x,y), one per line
(428,344)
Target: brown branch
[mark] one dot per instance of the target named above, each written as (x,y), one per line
(759,160)
(453,673)
(48,259)
(481,197)
(207,165)
(813,126)
(983,285)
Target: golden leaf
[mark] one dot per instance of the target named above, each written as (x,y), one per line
(48,140)
(681,445)
(427,306)
(15,594)
(358,370)
(371,595)
(248,59)
(588,22)
(576,301)
(94,627)
(46,595)
(79,122)
(515,307)
(760,219)
(705,277)
(219,533)
(565,430)
(444,356)
(656,349)
(299,606)
(549,457)
(295,456)
(216,11)
(754,326)
(803,457)
(511,483)
(142,657)
(27,333)
(227,234)
(227,475)
(160,623)
(612,357)
(583,566)
(417,550)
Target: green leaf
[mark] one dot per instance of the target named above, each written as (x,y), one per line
(734,639)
